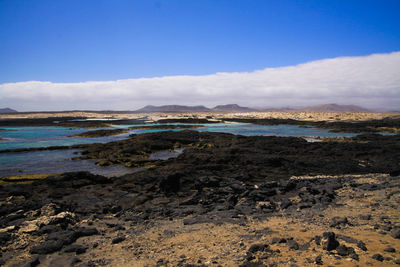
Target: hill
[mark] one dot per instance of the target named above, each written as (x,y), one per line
(173,108)
(232,108)
(7,110)
(334,108)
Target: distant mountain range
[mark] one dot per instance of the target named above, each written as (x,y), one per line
(232,108)
(173,108)
(335,108)
(7,110)
(237,108)
(180,108)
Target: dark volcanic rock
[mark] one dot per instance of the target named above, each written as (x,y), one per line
(395,233)
(118,239)
(84,231)
(343,250)
(292,244)
(78,249)
(101,133)
(252,264)
(66,237)
(318,260)
(338,221)
(171,184)
(389,249)
(378,257)
(47,247)
(258,247)
(329,241)
(4,237)
(362,246)
(219,178)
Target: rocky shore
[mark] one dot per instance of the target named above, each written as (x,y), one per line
(226,200)
(101,133)
(386,125)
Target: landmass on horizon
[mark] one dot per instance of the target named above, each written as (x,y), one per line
(236,108)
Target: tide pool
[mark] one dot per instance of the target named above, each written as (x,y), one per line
(54,161)
(249,129)
(32,137)
(58,161)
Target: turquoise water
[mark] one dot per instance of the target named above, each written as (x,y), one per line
(249,129)
(54,161)
(59,160)
(31,137)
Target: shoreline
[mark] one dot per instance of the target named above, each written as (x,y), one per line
(226,200)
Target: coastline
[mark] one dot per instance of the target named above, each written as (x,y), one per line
(226,200)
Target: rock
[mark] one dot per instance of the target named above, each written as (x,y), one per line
(282,240)
(318,260)
(397,261)
(329,241)
(389,249)
(343,250)
(285,203)
(262,195)
(49,210)
(395,173)
(274,240)
(361,245)
(377,257)
(258,247)
(395,233)
(78,249)
(347,239)
(66,237)
(118,239)
(354,256)
(317,240)
(337,221)
(366,217)
(171,184)
(252,264)
(35,261)
(293,244)
(48,247)
(85,231)
(47,229)
(4,237)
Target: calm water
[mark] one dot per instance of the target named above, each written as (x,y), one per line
(59,160)
(27,137)
(270,130)
(56,161)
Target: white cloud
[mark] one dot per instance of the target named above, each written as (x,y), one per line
(372,81)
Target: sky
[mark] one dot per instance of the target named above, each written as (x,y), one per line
(122,55)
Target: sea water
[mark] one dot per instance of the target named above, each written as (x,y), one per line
(56,161)
(53,161)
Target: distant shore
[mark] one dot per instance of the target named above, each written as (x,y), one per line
(155,116)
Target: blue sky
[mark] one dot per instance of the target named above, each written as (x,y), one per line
(125,54)
(75,41)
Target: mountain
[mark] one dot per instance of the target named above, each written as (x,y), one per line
(231,108)
(7,110)
(277,109)
(237,108)
(334,108)
(173,108)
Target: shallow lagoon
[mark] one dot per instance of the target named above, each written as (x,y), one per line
(29,137)
(60,160)
(53,161)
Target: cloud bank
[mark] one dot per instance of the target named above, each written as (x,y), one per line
(371,81)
